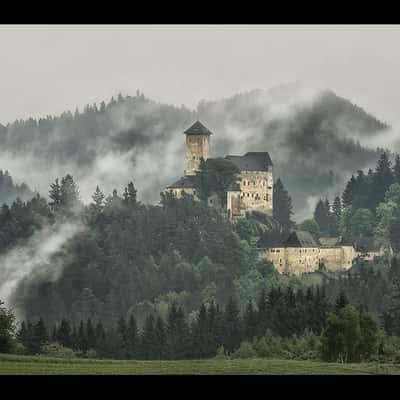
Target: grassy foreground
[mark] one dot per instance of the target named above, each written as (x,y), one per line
(23,365)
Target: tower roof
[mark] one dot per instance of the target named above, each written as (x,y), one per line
(197,129)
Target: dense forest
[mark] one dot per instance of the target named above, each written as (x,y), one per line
(315,141)
(128,276)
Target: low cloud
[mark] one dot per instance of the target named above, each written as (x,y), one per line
(34,258)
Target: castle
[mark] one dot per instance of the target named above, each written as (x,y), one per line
(300,252)
(254,189)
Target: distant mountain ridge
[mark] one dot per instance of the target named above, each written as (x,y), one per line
(312,136)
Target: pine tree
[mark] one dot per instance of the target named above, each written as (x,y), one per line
(82,339)
(69,193)
(282,205)
(177,333)
(132,337)
(348,194)
(130,195)
(381,181)
(396,169)
(336,215)
(98,199)
(160,339)
(201,334)
(341,301)
(148,339)
(322,216)
(38,337)
(55,195)
(90,334)
(232,326)
(250,322)
(64,334)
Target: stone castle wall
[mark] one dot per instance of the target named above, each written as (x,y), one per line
(256,189)
(178,192)
(197,147)
(298,260)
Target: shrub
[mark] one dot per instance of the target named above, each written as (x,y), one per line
(58,350)
(246,350)
(221,355)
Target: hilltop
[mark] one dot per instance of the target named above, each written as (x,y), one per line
(313,137)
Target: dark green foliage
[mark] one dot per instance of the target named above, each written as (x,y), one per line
(33,336)
(7,329)
(381,180)
(232,327)
(391,316)
(322,217)
(10,191)
(216,175)
(350,336)
(282,205)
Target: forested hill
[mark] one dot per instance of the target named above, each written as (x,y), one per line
(9,190)
(312,138)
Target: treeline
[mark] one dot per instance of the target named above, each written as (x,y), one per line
(10,191)
(368,211)
(283,312)
(332,332)
(315,136)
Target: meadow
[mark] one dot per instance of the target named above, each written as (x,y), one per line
(38,365)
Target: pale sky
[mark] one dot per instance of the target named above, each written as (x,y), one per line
(45,70)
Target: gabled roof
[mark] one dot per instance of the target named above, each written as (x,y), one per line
(330,241)
(197,129)
(188,181)
(252,161)
(300,239)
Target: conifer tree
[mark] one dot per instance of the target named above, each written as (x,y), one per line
(132,337)
(130,195)
(341,301)
(381,181)
(55,195)
(160,339)
(90,334)
(69,193)
(98,199)
(282,205)
(64,333)
(148,339)
(250,321)
(349,191)
(322,216)
(232,326)
(201,334)
(396,169)
(336,215)
(82,339)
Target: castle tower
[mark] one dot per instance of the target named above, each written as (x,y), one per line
(197,146)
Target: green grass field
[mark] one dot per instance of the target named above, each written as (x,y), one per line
(23,365)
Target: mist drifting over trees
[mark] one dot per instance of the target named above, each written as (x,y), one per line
(314,137)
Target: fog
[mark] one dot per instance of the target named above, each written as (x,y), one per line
(33,259)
